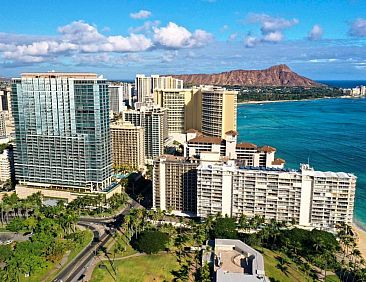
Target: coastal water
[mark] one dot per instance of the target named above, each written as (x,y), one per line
(331,133)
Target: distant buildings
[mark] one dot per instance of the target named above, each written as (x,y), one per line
(358,91)
(120,95)
(154,121)
(128,145)
(62,132)
(145,86)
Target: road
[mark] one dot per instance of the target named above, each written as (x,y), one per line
(74,271)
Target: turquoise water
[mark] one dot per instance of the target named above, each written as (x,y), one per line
(330,132)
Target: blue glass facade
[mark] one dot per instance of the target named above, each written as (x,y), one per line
(62,131)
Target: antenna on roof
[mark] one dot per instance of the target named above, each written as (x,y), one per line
(309,160)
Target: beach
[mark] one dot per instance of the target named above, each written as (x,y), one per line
(361,239)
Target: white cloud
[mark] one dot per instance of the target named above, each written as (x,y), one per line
(315,33)
(358,28)
(250,41)
(273,36)
(146,28)
(80,32)
(176,37)
(233,36)
(271,28)
(142,14)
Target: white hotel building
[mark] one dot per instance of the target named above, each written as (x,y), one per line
(310,198)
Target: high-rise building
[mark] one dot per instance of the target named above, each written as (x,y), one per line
(128,143)
(120,95)
(3,117)
(145,86)
(219,108)
(308,197)
(154,121)
(183,108)
(6,165)
(174,184)
(62,131)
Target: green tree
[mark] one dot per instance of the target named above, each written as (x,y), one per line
(151,241)
(225,228)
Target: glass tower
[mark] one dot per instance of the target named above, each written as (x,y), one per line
(62,131)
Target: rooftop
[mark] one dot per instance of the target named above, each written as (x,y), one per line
(236,261)
(246,145)
(206,139)
(267,149)
(278,161)
(77,75)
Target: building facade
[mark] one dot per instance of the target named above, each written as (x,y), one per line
(6,166)
(184,109)
(120,95)
(145,85)
(308,197)
(128,143)
(62,131)
(174,184)
(244,154)
(219,107)
(154,121)
(3,118)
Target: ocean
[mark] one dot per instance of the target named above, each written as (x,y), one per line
(330,133)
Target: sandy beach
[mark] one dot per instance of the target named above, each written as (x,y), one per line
(361,242)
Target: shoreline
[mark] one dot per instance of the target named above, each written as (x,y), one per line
(295,100)
(361,238)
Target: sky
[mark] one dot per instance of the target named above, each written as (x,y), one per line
(323,40)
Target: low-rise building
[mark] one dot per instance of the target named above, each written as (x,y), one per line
(245,154)
(235,261)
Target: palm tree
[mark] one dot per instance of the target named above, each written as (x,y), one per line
(140,198)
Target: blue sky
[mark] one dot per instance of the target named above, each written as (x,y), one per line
(318,39)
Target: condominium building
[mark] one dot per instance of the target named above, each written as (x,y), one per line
(219,108)
(183,108)
(3,117)
(6,165)
(154,121)
(128,143)
(174,184)
(62,131)
(308,197)
(145,85)
(245,154)
(120,95)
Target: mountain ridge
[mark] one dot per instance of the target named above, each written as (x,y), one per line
(277,75)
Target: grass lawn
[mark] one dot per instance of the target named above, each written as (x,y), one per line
(42,274)
(289,273)
(332,278)
(139,269)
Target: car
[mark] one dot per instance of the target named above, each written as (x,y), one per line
(8,242)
